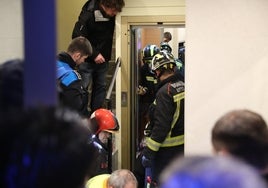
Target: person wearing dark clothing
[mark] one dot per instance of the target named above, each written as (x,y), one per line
(102,123)
(72,94)
(45,147)
(11,85)
(96,22)
(166,138)
(147,87)
(146,95)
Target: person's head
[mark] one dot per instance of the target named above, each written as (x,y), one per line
(122,178)
(148,52)
(79,48)
(102,123)
(244,134)
(11,85)
(163,64)
(210,172)
(167,36)
(112,7)
(47,147)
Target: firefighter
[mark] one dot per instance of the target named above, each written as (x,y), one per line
(147,85)
(102,124)
(164,46)
(146,95)
(166,129)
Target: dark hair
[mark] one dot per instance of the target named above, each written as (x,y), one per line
(11,85)
(47,147)
(168,36)
(244,134)
(116,4)
(80,44)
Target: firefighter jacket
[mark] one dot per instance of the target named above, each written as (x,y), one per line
(71,92)
(167,116)
(148,80)
(97,27)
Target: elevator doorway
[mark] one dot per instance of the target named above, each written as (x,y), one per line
(141,36)
(135,33)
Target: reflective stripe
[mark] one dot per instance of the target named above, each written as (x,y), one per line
(174,141)
(178,97)
(169,142)
(153,145)
(150,78)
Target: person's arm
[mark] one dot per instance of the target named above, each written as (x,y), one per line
(77,98)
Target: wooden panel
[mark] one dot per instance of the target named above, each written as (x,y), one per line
(151,36)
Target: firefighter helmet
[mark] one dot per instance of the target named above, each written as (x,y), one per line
(103,120)
(164,46)
(163,60)
(149,51)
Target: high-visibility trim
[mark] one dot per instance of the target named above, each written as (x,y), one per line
(178,97)
(150,78)
(169,142)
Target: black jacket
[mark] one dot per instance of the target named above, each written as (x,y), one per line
(148,80)
(71,92)
(165,106)
(101,163)
(166,140)
(97,28)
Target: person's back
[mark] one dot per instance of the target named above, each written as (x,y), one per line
(165,139)
(45,147)
(243,134)
(210,172)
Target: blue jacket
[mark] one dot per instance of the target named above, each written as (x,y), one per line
(71,94)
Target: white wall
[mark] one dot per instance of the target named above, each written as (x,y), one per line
(11,32)
(226,64)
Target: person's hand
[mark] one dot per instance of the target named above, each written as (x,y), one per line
(141,90)
(146,162)
(99,59)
